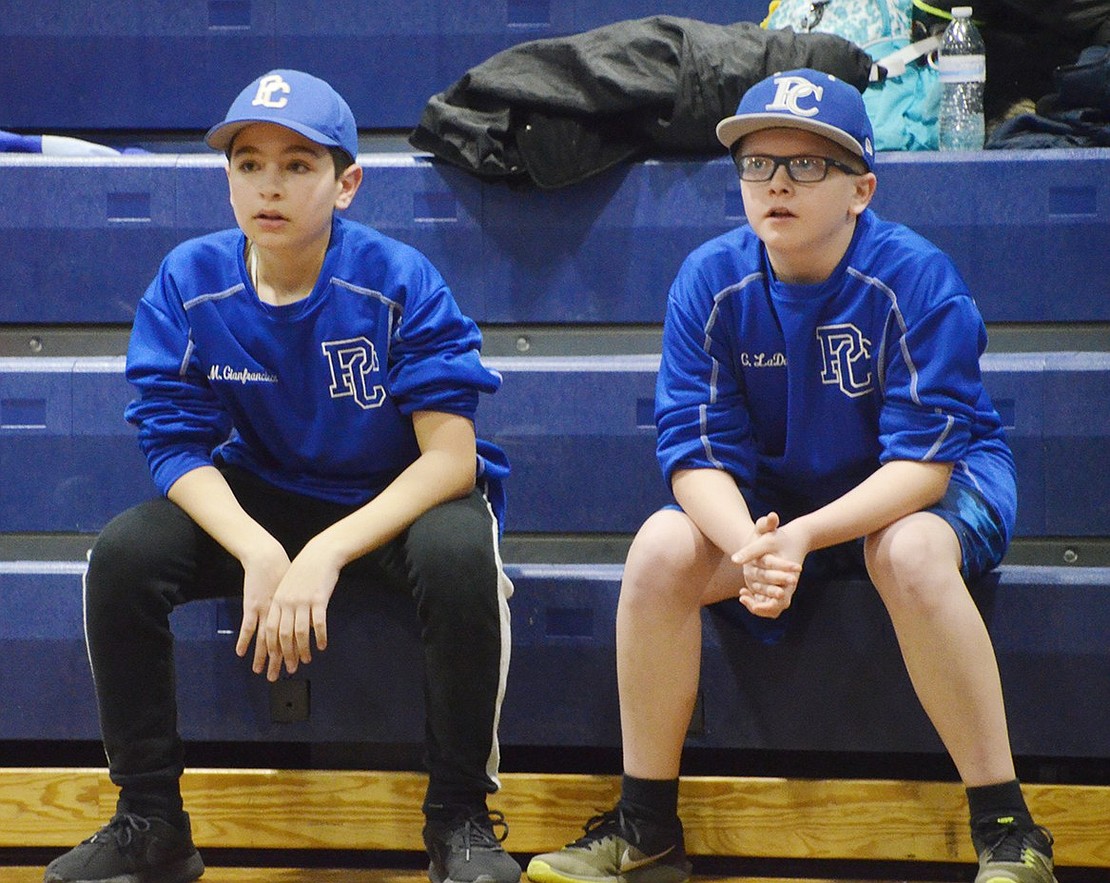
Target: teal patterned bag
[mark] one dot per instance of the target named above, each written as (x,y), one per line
(877,26)
(904,105)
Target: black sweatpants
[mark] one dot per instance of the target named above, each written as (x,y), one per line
(154,557)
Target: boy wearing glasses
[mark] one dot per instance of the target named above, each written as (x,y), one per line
(819,405)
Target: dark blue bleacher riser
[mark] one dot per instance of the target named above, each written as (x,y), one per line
(1075,478)
(68,459)
(578,431)
(1030,230)
(837,684)
(139,65)
(45,686)
(79,237)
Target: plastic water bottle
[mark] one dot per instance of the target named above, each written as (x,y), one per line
(962,63)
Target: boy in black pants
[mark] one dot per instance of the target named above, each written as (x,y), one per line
(306,394)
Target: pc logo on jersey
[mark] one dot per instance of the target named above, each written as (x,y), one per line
(789,92)
(845,359)
(353,363)
(268,87)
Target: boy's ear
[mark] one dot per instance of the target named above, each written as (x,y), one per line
(349,183)
(864,192)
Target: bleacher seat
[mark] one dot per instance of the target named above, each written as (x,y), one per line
(1029,230)
(133,65)
(841,668)
(71,462)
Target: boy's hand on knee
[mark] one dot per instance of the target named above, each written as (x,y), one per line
(299,611)
(262,574)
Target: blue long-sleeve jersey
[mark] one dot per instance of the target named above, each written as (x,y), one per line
(315,396)
(801,391)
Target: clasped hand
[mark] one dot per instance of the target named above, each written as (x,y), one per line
(772,561)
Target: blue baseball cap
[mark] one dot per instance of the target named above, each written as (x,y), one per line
(296,100)
(804,99)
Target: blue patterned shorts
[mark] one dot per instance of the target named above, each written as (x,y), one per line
(977,526)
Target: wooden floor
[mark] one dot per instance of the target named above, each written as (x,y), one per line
(316,875)
(741,830)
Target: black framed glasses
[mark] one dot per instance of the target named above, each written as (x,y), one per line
(802,168)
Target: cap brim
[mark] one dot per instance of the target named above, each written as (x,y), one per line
(732,129)
(222,134)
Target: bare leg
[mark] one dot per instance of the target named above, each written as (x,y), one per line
(671,572)
(914,564)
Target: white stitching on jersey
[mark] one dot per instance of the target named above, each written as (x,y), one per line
(902,345)
(216,295)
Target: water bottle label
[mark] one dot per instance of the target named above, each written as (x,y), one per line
(962,68)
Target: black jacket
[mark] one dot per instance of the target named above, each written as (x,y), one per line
(558,110)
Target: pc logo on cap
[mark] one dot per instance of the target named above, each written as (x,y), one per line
(296,100)
(808,100)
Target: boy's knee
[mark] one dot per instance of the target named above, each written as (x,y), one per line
(120,547)
(125,555)
(457,566)
(452,559)
(664,560)
(911,562)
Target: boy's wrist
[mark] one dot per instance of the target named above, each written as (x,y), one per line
(330,547)
(801,529)
(259,547)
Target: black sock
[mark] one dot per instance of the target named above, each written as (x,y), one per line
(164,804)
(996,806)
(654,802)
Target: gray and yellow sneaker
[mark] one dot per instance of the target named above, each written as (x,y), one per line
(616,849)
(1016,855)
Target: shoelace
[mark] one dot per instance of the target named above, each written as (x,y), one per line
(480,829)
(1012,841)
(123,827)
(598,826)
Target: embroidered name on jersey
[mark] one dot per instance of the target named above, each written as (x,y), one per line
(845,355)
(240,375)
(763,360)
(352,362)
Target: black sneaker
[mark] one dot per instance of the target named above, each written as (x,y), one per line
(1017,855)
(610,852)
(465,849)
(130,849)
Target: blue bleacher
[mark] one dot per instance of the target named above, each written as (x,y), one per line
(841,664)
(132,64)
(1030,231)
(71,462)
(81,238)
(65,448)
